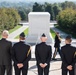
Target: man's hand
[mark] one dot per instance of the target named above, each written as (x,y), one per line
(43,65)
(20,65)
(69,67)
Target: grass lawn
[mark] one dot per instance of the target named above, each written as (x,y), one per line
(11,30)
(25,31)
(52,33)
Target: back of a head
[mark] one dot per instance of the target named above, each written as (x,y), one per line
(57,32)
(5,33)
(22,36)
(43,37)
(68,38)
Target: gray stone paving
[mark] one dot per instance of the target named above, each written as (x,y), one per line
(54,68)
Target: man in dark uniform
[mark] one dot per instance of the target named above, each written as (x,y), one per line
(75,63)
(5,54)
(43,53)
(57,45)
(21,54)
(67,54)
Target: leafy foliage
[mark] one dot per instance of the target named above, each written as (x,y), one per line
(53,9)
(9,18)
(67,20)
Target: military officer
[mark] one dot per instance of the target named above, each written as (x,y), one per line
(43,53)
(21,54)
(68,59)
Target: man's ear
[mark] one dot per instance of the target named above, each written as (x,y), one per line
(40,38)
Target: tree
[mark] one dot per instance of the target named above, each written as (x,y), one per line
(56,10)
(67,20)
(3,19)
(23,15)
(38,7)
(9,18)
(67,4)
(49,8)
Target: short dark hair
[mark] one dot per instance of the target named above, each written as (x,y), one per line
(43,35)
(22,34)
(68,38)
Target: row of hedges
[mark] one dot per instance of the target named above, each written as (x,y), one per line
(67,20)
(9,18)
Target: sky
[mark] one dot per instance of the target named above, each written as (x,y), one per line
(37,0)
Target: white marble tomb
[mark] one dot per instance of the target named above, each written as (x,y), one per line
(39,23)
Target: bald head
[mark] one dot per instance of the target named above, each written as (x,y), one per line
(5,34)
(43,38)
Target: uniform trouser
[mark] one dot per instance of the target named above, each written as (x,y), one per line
(55,52)
(75,69)
(8,69)
(18,71)
(65,71)
(45,70)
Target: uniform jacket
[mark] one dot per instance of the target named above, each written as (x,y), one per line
(67,54)
(19,53)
(43,53)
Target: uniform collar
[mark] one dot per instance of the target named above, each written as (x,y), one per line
(3,39)
(22,41)
(68,44)
(43,42)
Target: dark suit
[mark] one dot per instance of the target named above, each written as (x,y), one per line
(43,55)
(19,55)
(67,52)
(5,57)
